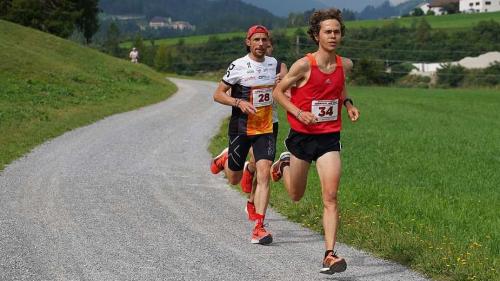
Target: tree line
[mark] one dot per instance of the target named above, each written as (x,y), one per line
(382,55)
(59,17)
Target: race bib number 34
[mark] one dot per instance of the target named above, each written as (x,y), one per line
(262,97)
(325,110)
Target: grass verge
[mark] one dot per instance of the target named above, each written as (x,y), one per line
(420,180)
(49,86)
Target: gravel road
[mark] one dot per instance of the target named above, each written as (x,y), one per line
(131,198)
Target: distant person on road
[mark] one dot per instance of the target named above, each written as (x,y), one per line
(250,80)
(248,182)
(134,55)
(317,83)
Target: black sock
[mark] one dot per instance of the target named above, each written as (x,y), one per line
(327,252)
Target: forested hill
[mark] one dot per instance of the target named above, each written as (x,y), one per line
(207,15)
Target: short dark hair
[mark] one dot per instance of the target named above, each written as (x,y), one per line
(322,15)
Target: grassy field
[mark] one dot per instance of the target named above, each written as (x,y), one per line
(456,21)
(420,180)
(49,85)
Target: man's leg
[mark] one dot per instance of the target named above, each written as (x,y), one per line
(232,159)
(264,147)
(329,170)
(261,199)
(252,182)
(328,166)
(293,171)
(259,234)
(248,174)
(233,177)
(295,177)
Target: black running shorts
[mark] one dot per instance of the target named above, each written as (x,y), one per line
(275,131)
(310,147)
(264,147)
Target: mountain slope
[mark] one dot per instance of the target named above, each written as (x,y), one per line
(50,85)
(208,16)
(387,9)
(283,8)
(279,8)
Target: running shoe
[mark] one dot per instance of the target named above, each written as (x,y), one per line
(259,234)
(333,264)
(277,167)
(247,179)
(218,162)
(250,210)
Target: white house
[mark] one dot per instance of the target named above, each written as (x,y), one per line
(479,6)
(425,7)
(182,25)
(159,22)
(482,61)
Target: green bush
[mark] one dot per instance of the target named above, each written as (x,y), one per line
(414,81)
(451,75)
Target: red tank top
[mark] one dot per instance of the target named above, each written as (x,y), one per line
(321,95)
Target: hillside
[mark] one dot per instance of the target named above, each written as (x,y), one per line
(447,22)
(50,85)
(292,6)
(388,10)
(208,15)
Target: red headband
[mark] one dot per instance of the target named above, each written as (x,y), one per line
(257,29)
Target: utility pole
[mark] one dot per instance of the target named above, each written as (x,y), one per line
(297,45)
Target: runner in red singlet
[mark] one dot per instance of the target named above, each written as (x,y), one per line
(317,82)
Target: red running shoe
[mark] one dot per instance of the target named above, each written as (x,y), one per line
(259,234)
(218,162)
(333,264)
(276,168)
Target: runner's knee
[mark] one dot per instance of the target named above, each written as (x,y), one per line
(330,198)
(234,178)
(296,195)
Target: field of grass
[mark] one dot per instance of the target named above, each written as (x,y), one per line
(456,21)
(49,85)
(420,183)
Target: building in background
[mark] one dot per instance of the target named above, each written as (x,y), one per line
(479,6)
(479,62)
(160,22)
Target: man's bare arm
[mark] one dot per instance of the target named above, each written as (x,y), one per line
(348,103)
(221,96)
(298,71)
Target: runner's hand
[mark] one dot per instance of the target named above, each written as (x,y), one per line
(353,113)
(277,80)
(247,107)
(307,118)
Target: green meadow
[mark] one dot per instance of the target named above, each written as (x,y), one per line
(49,86)
(420,183)
(455,21)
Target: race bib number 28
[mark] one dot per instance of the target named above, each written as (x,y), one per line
(262,97)
(325,110)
